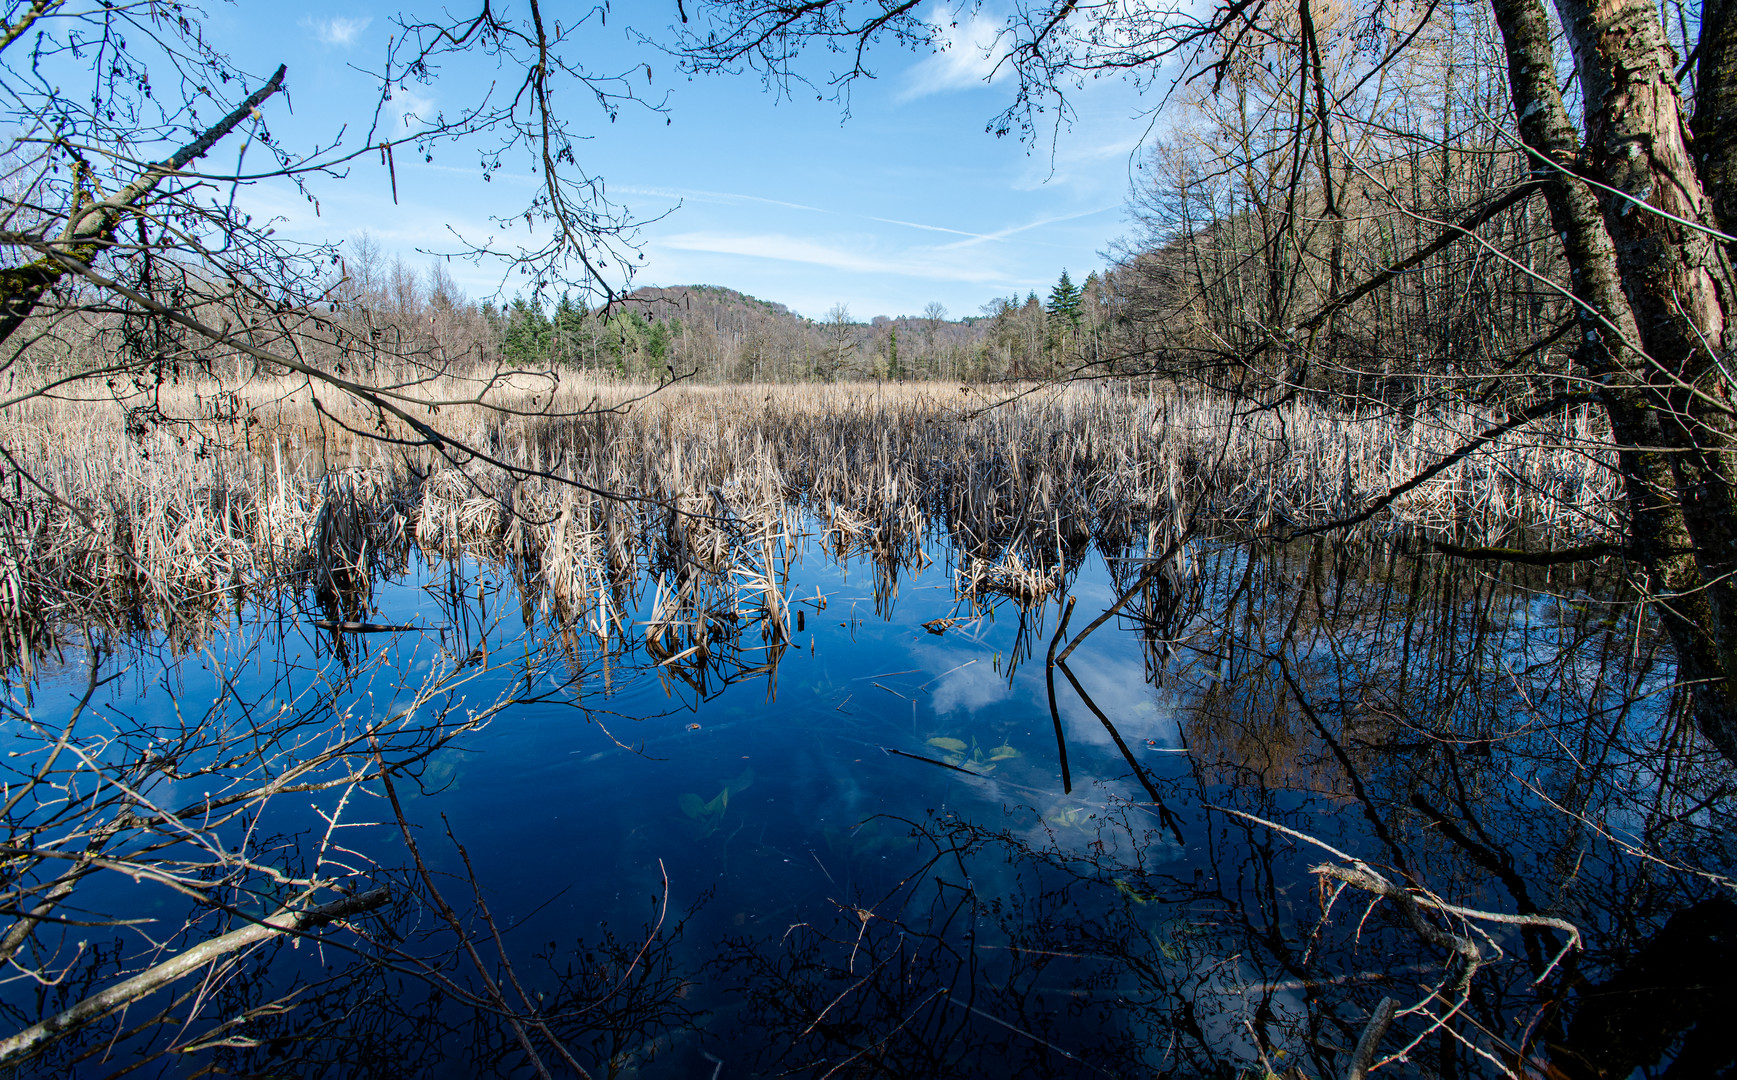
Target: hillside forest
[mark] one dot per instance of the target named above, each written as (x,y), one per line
(715,334)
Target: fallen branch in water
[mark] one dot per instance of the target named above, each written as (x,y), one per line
(1409,901)
(1583,553)
(98,1005)
(1370,1040)
(1412,903)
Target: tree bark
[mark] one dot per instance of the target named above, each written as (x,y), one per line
(90,225)
(1715,122)
(1648,298)
(1637,147)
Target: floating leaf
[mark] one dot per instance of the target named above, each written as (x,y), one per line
(952,746)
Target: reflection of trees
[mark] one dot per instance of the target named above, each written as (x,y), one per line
(1502,770)
(1103,954)
(158,858)
(1501,744)
(1509,741)
(932,977)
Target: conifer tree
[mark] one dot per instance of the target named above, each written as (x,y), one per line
(1064,301)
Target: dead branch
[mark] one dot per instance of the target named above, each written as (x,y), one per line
(32,1039)
(1370,1041)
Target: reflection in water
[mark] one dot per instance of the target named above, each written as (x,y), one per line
(788,828)
(1672,996)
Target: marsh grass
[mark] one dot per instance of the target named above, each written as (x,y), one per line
(702,496)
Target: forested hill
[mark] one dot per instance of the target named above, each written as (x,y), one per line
(706,303)
(722,335)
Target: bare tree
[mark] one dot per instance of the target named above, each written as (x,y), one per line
(126,248)
(934,315)
(843,337)
(1629,168)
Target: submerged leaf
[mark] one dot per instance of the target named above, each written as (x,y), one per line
(1003,752)
(691,805)
(1066,816)
(952,746)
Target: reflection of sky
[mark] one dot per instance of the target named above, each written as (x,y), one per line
(816,776)
(818,739)
(1117,684)
(970,689)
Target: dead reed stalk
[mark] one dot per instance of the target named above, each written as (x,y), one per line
(709,486)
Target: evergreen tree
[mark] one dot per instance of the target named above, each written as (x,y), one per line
(525,342)
(567,332)
(656,345)
(1064,301)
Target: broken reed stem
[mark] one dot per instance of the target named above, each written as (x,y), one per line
(1061,743)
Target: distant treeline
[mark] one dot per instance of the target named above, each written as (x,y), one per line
(720,335)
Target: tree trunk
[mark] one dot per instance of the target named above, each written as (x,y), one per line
(1650,299)
(1715,123)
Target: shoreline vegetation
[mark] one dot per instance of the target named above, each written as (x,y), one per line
(122,524)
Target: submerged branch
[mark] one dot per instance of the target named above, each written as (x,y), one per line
(1583,553)
(1370,1040)
(34,1038)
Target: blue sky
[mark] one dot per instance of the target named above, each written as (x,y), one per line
(906,202)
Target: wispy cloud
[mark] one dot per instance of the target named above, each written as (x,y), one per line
(338,31)
(919,225)
(1088,166)
(1015,230)
(726,198)
(412,112)
(969,55)
(924,263)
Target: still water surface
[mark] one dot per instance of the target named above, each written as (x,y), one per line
(856,854)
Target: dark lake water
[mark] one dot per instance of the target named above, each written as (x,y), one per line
(856,853)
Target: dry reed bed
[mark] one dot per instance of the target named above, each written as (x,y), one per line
(714,484)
